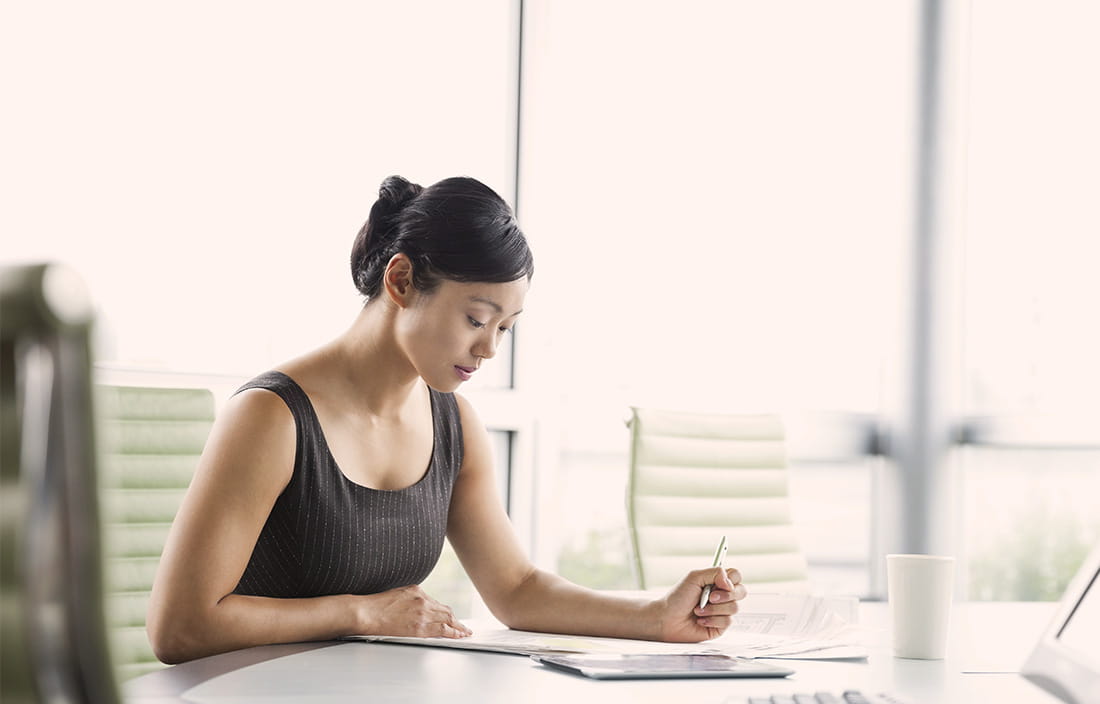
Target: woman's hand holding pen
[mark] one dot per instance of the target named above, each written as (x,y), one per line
(682,619)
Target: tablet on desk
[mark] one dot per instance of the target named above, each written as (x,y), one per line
(660,666)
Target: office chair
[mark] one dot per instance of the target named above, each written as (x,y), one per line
(151,440)
(695,477)
(53,640)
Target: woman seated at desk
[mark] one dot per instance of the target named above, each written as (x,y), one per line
(328,484)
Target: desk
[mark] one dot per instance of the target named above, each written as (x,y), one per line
(988,641)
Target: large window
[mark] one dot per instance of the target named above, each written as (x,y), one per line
(1032,478)
(730,211)
(717,193)
(721,200)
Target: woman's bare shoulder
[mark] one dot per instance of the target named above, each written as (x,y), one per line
(257,405)
(471,421)
(254,434)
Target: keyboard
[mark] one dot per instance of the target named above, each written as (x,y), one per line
(850,696)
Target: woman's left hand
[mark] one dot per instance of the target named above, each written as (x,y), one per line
(682,621)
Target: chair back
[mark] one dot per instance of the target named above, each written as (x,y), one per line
(53,639)
(695,477)
(152,439)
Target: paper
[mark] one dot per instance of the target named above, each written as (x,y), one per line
(796,626)
(795,614)
(845,647)
(770,626)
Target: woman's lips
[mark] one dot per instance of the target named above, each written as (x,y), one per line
(464,373)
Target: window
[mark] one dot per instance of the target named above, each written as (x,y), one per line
(1032,476)
(723,207)
(717,207)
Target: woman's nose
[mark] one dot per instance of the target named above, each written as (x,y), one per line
(486,347)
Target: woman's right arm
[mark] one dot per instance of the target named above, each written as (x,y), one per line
(247,462)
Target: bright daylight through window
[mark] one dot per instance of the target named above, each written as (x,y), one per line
(720,209)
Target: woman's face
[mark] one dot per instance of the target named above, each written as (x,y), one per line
(449,333)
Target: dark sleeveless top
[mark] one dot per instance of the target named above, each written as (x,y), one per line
(328,535)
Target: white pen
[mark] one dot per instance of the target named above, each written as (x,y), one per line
(719,555)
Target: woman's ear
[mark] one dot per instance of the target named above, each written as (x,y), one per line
(398,280)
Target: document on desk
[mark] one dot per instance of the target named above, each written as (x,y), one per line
(797,626)
(497,638)
(779,626)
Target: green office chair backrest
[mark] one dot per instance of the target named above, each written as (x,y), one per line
(151,439)
(695,477)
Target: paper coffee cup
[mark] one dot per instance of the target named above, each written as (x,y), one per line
(919,589)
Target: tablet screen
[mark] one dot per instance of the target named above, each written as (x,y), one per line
(661,666)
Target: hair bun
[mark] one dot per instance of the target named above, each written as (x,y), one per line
(370,247)
(397,191)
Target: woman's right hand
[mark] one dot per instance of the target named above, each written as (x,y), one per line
(409,611)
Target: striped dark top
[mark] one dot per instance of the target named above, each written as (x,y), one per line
(328,535)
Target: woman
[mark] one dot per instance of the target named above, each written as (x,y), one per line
(327,485)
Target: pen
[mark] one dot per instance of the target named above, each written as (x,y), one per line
(719,555)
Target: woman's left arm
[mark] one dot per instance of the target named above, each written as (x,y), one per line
(527,598)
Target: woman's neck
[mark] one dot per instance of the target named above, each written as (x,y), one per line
(367,367)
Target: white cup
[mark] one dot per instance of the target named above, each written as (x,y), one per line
(919,590)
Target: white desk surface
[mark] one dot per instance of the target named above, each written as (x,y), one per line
(988,643)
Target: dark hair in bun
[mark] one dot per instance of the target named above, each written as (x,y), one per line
(458,229)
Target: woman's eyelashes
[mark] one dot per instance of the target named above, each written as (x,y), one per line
(477,324)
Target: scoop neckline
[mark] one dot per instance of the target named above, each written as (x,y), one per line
(336,465)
